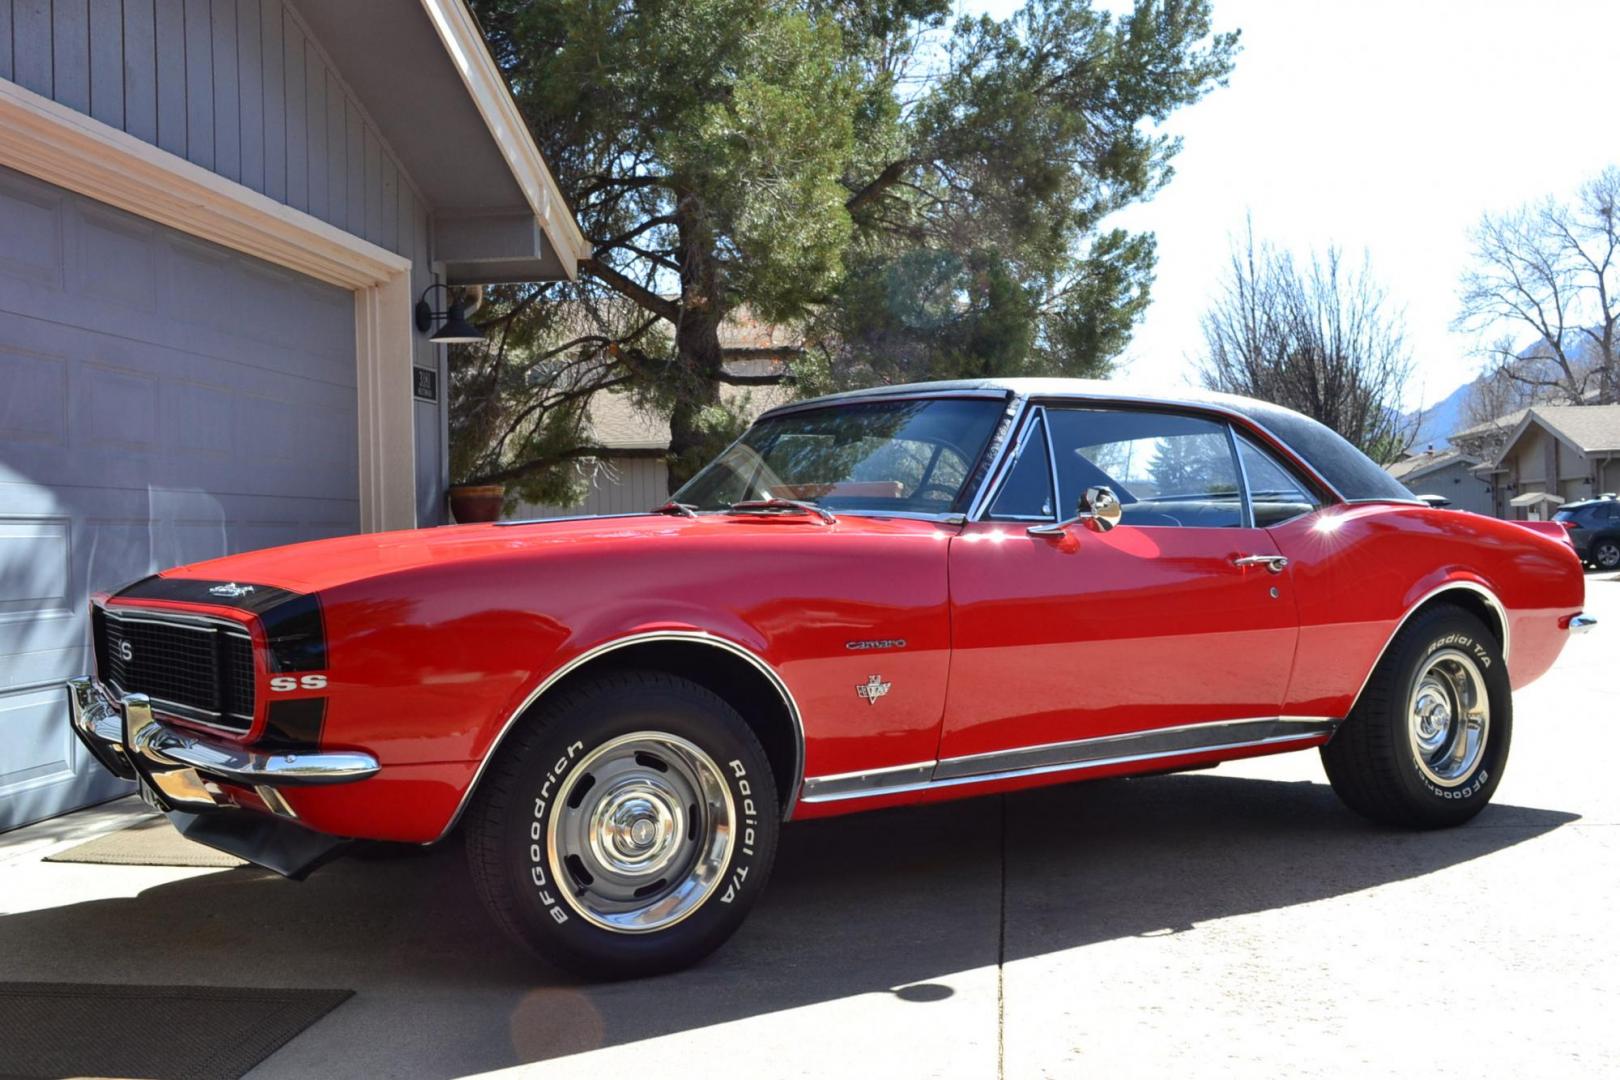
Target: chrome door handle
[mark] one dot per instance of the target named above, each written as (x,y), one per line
(1275,563)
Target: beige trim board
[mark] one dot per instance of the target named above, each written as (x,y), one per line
(464,42)
(71,150)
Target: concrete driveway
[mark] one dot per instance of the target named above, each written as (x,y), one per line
(1228,923)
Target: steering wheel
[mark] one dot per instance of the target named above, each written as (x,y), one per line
(946,491)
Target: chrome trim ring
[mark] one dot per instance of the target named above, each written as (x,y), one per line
(641,833)
(1448,718)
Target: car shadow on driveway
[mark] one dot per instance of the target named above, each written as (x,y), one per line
(888,902)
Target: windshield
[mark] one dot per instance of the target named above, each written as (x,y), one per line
(911,456)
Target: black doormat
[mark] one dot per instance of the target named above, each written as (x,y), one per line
(74,1029)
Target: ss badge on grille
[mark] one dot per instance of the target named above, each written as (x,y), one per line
(125,653)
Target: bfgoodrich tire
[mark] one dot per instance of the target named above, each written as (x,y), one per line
(626,827)
(1426,743)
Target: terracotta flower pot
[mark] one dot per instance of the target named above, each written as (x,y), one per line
(476,502)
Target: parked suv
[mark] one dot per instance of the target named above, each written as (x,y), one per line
(1594,529)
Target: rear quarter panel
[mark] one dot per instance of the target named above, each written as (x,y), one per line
(1358,570)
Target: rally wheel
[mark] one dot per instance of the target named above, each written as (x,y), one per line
(626,826)
(1427,741)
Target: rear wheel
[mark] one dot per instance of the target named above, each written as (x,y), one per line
(627,827)
(1426,743)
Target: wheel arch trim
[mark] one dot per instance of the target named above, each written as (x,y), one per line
(596,652)
(1454,585)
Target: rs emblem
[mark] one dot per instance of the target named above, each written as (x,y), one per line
(873,688)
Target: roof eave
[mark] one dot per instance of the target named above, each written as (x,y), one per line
(464,43)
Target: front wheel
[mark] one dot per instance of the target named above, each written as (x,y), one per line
(1428,739)
(1606,554)
(627,827)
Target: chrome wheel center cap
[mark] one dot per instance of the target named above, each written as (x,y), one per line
(636,830)
(1433,715)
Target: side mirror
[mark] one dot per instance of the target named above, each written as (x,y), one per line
(1099,509)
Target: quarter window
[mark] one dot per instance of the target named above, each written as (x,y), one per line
(1167,469)
(1274,493)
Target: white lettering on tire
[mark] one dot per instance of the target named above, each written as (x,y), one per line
(537,830)
(750,820)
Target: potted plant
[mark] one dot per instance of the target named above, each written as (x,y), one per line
(476,502)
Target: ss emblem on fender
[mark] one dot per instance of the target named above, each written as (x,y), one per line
(298,682)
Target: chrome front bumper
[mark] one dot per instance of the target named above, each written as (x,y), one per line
(180,774)
(179,770)
(1582,624)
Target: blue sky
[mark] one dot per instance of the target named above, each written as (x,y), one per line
(1387,126)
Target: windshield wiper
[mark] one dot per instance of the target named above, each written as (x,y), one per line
(675,509)
(784,506)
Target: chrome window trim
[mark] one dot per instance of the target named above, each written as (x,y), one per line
(1237,439)
(999,454)
(1451,586)
(1209,410)
(1020,441)
(1072,756)
(1246,508)
(702,637)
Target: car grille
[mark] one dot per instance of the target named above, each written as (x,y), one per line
(196,670)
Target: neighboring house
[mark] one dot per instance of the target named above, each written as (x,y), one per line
(215,219)
(1445,473)
(633,476)
(1552,455)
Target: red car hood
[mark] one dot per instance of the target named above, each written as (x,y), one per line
(325,564)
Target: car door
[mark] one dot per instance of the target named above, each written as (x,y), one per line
(1182,614)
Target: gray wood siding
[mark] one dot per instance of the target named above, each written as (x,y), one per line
(616,486)
(236,86)
(241,88)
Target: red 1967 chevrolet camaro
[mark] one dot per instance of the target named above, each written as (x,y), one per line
(879,598)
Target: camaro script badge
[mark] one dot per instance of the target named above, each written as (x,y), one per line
(233,590)
(873,688)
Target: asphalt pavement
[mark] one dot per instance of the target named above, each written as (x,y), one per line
(1235,922)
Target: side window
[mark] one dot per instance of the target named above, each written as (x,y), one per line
(1273,491)
(1026,494)
(1167,469)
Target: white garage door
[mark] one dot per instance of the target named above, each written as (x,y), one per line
(161,401)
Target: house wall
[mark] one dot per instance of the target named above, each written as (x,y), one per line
(241,88)
(1455,482)
(619,486)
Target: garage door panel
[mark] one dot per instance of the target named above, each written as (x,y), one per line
(42,765)
(163,402)
(116,259)
(30,231)
(34,406)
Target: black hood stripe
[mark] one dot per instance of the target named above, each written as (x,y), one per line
(293,622)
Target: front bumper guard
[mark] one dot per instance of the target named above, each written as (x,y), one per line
(179,773)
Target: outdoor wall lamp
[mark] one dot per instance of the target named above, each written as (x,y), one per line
(456,330)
